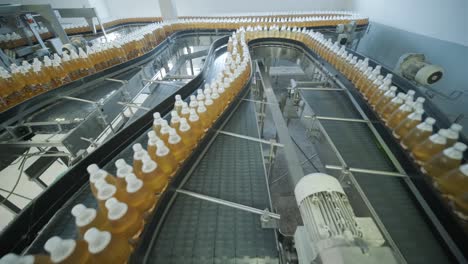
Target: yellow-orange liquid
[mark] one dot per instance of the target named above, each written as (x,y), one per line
(128,226)
(167,163)
(414,137)
(79,255)
(454,184)
(155,181)
(179,150)
(142,200)
(117,251)
(397,117)
(100,222)
(440,165)
(389,109)
(426,150)
(405,127)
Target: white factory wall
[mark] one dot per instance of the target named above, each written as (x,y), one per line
(126,8)
(219,7)
(442,19)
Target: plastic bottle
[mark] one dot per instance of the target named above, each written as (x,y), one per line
(187,135)
(151,149)
(377,93)
(124,221)
(175,119)
(138,195)
(410,122)
(392,106)
(157,123)
(104,192)
(177,147)
(165,159)
(200,96)
(418,134)
(185,111)
(85,218)
(453,134)
(164,132)
(12,258)
(138,154)
(103,247)
(385,99)
(96,174)
(60,76)
(400,114)
(193,102)
(454,185)
(203,115)
(153,177)
(447,160)
(430,147)
(122,170)
(178,103)
(66,250)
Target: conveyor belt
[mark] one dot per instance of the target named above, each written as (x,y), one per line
(197,231)
(388,195)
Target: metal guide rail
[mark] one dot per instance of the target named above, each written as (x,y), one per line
(366,149)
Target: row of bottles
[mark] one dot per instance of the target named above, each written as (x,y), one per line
(108,233)
(439,154)
(25,81)
(13,39)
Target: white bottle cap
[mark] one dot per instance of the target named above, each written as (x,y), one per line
(464,169)
(59,249)
(178,97)
(174,114)
(97,240)
(83,215)
(456,127)
(208,100)
(137,147)
(115,209)
(104,190)
(439,137)
(430,121)
(122,168)
(156,115)
(96,174)
(460,146)
(133,183)
(149,165)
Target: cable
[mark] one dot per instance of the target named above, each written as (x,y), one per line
(19,195)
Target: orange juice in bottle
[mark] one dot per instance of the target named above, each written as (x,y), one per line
(175,119)
(87,64)
(157,122)
(124,221)
(187,135)
(185,111)
(196,124)
(392,106)
(453,133)
(103,247)
(454,185)
(151,149)
(104,192)
(203,115)
(385,99)
(138,195)
(372,88)
(447,160)
(400,114)
(178,103)
(60,76)
(177,147)
(66,250)
(410,122)
(430,147)
(153,177)
(216,103)
(165,159)
(164,132)
(193,102)
(138,154)
(85,218)
(210,109)
(96,174)
(418,134)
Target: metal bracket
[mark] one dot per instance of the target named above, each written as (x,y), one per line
(267,221)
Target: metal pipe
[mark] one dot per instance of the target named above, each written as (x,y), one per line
(368,171)
(263,141)
(320,89)
(344,119)
(79,100)
(229,204)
